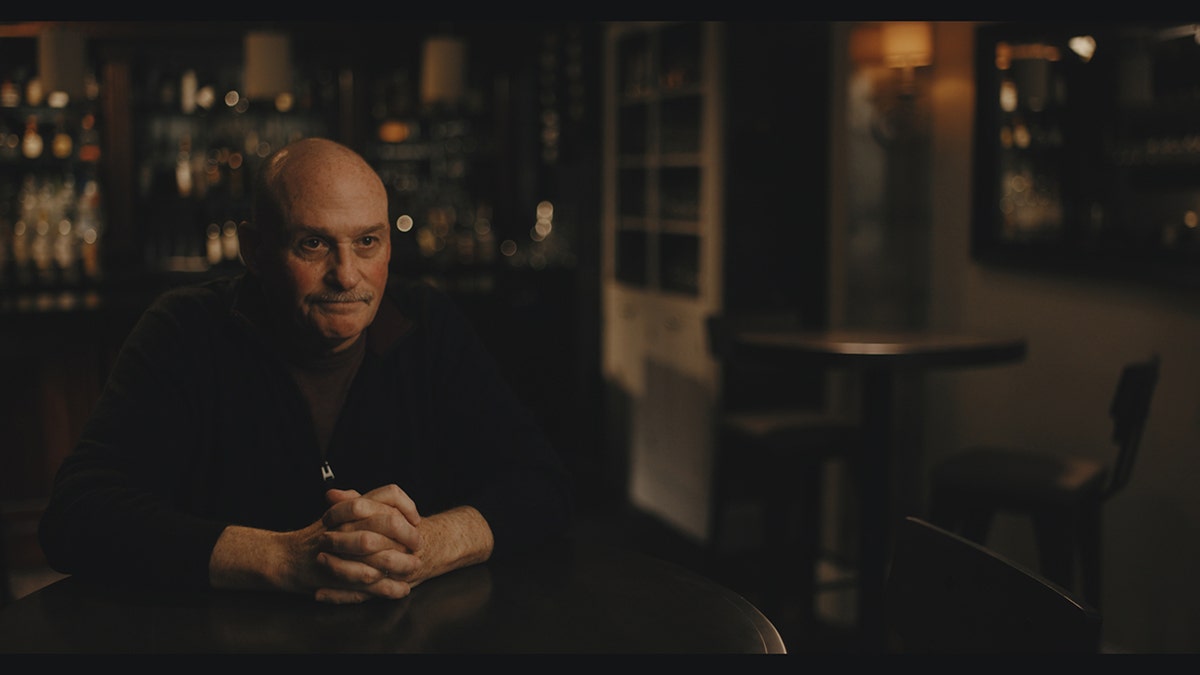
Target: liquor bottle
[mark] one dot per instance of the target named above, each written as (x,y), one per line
(62,146)
(212,248)
(34,94)
(10,93)
(41,247)
(91,87)
(188,87)
(32,143)
(22,234)
(64,240)
(10,142)
(89,139)
(183,167)
(89,225)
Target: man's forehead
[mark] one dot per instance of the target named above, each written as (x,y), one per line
(333,229)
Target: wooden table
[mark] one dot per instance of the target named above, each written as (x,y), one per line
(878,357)
(569,598)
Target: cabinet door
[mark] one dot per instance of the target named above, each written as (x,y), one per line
(670,456)
(661,271)
(671,452)
(624,339)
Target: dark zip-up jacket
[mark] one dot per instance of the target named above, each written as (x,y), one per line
(200,425)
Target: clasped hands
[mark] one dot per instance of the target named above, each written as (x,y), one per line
(367,545)
(373,545)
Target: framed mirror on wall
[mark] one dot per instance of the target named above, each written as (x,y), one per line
(1087,149)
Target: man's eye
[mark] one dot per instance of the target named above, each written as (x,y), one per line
(311,244)
(369,240)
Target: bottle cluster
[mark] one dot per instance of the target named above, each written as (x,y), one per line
(52,218)
(51,232)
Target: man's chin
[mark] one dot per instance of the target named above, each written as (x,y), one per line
(335,326)
(340,331)
(335,341)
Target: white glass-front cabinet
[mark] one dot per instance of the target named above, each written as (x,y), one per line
(716,194)
(661,265)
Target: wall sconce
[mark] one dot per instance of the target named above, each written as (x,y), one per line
(893,51)
(907,45)
(443,70)
(268,65)
(62,62)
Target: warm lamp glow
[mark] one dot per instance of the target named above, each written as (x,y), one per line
(268,66)
(443,70)
(62,62)
(907,44)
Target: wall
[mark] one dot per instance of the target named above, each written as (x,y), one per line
(1080,332)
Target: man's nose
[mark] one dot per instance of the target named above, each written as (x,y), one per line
(342,271)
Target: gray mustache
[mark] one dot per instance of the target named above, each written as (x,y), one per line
(343,297)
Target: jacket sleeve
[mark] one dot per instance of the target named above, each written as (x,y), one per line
(111,512)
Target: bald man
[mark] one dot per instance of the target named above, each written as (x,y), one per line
(306,426)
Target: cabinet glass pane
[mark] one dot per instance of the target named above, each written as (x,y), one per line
(635,68)
(679,263)
(631,258)
(1031,147)
(680,57)
(631,197)
(679,197)
(631,135)
(681,125)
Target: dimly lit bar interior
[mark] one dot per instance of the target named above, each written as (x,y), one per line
(851,336)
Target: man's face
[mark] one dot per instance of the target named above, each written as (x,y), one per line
(333,257)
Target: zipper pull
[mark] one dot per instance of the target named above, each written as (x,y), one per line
(326,471)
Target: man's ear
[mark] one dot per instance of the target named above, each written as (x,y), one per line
(250,245)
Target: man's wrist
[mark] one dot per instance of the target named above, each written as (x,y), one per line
(247,558)
(455,538)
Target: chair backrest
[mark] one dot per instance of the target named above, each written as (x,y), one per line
(947,594)
(747,385)
(1129,410)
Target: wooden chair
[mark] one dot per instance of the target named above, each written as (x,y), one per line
(1062,494)
(773,439)
(948,595)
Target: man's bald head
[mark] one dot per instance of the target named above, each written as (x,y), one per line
(302,166)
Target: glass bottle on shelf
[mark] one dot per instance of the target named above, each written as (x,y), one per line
(32,143)
(34,94)
(64,241)
(10,93)
(89,139)
(62,145)
(89,228)
(23,229)
(41,246)
(10,142)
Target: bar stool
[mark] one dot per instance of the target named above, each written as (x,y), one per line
(1062,495)
(771,449)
